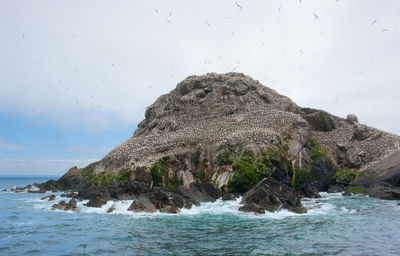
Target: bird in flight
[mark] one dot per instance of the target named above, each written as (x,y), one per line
(208,24)
(374,22)
(315,16)
(156,11)
(384,30)
(238,5)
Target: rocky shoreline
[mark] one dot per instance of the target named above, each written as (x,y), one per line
(226,135)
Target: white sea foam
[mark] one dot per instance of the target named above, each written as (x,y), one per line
(345,210)
(318,206)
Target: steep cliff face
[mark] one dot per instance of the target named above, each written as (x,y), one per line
(233,132)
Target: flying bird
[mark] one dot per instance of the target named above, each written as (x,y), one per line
(238,5)
(384,30)
(208,24)
(279,9)
(170,13)
(262,44)
(374,22)
(156,11)
(315,16)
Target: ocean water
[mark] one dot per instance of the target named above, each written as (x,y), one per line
(334,225)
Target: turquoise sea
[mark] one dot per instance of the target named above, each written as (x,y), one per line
(334,225)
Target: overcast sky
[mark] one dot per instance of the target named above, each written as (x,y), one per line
(76,76)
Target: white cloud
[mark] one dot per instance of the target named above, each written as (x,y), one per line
(44,167)
(8,146)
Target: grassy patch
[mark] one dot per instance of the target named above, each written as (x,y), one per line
(343,177)
(355,190)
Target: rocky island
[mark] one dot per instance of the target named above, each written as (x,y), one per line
(227,135)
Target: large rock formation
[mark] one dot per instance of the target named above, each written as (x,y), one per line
(230,131)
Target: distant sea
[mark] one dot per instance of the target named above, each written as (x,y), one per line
(334,225)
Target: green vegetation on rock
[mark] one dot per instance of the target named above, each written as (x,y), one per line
(343,177)
(160,175)
(300,177)
(226,157)
(354,190)
(320,169)
(249,170)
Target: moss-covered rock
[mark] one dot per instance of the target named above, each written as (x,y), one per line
(354,190)
(225,157)
(343,178)
(161,176)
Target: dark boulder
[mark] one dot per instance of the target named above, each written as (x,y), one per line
(271,196)
(70,195)
(111,209)
(97,195)
(323,170)
(384,190)
(229,197)
(308,191)
(319,120)
(381,179)
(252,208)
(347,193)
(169,209)
(142,204)
(64,206)
(49,198)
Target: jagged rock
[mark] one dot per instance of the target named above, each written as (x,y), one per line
(49,198)
(308,191)
(64,206)
(229,197)
(271,196)
(70,195)
(142,204)
(97,195)
(18,189)
(40,191)
(382,178)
